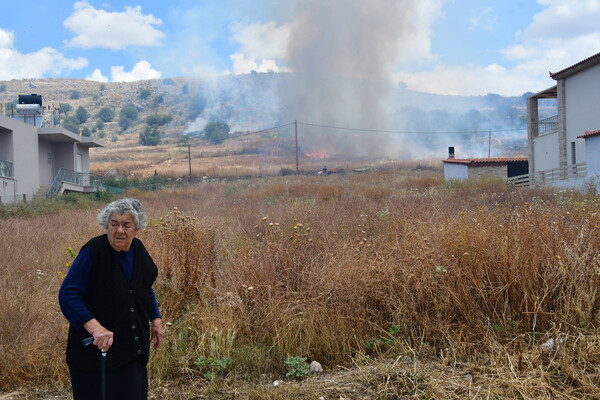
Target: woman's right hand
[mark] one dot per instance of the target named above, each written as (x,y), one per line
(103,338)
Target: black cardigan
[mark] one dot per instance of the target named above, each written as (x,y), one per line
(120,306)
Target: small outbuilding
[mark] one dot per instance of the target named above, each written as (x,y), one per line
(500,167)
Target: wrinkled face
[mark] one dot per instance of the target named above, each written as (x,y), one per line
(121,231)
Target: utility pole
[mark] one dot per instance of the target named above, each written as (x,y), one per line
(190,162)
(296,136)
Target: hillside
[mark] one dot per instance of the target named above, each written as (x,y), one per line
(258,101)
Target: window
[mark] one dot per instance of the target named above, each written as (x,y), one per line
(573,154)
(49,158)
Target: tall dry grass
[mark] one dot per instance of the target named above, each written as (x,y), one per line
(341,269)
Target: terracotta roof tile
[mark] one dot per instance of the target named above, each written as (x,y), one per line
(485,161)
(588,134)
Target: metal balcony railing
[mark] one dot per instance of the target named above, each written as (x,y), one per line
(74,177)
(547,125)
(6,169)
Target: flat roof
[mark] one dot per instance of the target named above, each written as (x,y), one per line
(61,135)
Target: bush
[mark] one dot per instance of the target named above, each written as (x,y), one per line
(145,93)
(128,116)
(75,95)
(150,136)
(156,120)
(64,108)
(158,100)
(85,131)
(82,114)
(216,132)
(297,367)
(71,123)
(106,114)
(183,139)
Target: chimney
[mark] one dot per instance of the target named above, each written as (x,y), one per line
(450,152)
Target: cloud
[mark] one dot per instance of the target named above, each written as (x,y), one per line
(243,65)
(142,70)
(473,80)
(114,30)
(483,18)
(560,35)
(39,64)
(96,76)
(262,41)
(266,43)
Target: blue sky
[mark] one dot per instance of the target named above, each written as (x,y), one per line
(466,47)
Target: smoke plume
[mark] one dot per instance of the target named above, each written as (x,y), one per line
(343,54)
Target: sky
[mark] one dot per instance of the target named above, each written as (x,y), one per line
(458,47)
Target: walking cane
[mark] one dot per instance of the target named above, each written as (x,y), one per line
(87,342)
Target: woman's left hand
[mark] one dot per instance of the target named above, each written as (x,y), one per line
(156,332)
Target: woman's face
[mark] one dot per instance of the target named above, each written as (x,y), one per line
(121,231)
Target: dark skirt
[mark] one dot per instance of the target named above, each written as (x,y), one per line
(127,382)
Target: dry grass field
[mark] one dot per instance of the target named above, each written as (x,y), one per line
(400,285)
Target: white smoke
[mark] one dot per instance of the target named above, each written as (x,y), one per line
(343,54)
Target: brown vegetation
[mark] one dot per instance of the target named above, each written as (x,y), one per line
(400,285)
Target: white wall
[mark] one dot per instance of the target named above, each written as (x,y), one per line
(582,99)
(26,159)
(545,152)
(47,171)
(592,150)
(455,171)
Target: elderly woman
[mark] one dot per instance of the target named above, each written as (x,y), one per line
(107,297)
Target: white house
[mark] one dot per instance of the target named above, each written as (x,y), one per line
(33,157)
(560,151)
(499,167)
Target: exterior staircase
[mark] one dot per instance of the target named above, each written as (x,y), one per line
(40,194)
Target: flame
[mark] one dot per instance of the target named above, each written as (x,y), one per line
(317,154)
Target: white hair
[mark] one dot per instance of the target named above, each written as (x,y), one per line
(124,206)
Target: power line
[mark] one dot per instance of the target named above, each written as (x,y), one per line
(402,132)
(378,130)
(268,129)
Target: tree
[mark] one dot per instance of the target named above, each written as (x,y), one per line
(71,123)
(82,114)
(3,87)
(85,131)
(216,131)
(75,94)
(156,120)
(99,124)
(106,114)
(64,108)
(158,100)
(128,116)
(150,136)
(145,93)
(183,139)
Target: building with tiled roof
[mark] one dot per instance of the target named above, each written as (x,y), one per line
(559,146)
(500,167)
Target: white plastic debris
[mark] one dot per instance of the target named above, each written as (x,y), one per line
(276,383)
(315,367)
(548,345)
